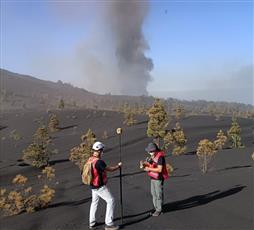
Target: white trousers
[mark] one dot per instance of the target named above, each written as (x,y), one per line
(106,195)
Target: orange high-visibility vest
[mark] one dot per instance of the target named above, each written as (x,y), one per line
(155,175)
(95,178)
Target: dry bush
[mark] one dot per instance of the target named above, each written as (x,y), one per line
(81,153)
(205,152)
(12,203)
(221,140)
(19,179)
(46,195)
(53,124)
(49,172)
(22,198)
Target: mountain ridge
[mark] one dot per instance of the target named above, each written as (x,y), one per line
(19,91)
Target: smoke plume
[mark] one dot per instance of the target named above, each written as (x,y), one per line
(113,58)
(126,19)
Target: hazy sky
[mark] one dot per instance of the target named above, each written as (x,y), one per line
(199,49)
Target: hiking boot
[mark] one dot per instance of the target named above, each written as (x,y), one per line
(113,227)
(93,226)
(156,213)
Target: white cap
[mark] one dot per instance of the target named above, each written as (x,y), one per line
(98,146)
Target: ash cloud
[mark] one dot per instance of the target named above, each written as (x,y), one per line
(110,58)
(113,58)
(126,19)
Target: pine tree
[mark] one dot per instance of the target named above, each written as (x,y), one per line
(89,138)
(179,112)
(81,153)
(205,152)
(234,134)
(221,140)
(53,123)
(37,153)
(158,121)
(168,140)
(42,136)
(129,116)
(179,140)
(61,104)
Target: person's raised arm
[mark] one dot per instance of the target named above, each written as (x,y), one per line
(113,168)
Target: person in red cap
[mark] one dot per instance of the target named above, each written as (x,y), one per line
(157,171)
(99,188)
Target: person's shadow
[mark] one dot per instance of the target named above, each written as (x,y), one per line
(191,202)
(201,199)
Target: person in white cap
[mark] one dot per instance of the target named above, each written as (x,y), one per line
(99,188)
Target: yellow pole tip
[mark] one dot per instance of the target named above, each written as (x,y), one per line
(119,130)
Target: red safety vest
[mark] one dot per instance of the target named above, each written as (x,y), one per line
(95,178)
(155,175)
